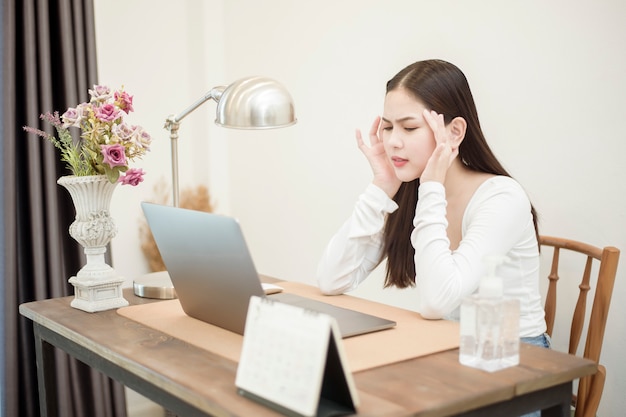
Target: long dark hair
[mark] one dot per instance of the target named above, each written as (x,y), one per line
(441,87)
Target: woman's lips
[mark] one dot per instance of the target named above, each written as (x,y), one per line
(398,162)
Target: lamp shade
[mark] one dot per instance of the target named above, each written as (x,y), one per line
(254,103)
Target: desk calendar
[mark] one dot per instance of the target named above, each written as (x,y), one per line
(292,360)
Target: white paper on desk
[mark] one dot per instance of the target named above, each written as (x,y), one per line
(283,359)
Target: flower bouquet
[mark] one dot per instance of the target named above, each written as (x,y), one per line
(107,143)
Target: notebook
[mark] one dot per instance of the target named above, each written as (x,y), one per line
(214,275)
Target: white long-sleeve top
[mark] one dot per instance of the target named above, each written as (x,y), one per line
(497,221)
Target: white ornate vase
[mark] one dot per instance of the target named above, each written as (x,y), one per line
(97,286)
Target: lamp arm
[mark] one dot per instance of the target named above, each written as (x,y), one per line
(173,123)
(214,94)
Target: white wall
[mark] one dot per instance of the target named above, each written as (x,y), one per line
(548,79)
(166,55)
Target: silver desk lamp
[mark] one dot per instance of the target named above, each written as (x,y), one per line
(248,103)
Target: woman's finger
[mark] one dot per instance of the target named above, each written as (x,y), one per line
(437,124)
(374,131)
(359,139)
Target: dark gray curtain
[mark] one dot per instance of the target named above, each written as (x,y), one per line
(48,64)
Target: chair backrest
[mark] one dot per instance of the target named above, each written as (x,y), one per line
(608,258)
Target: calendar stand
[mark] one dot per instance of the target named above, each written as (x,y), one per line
(292,361)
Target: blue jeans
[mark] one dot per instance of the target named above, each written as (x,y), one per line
(541,341)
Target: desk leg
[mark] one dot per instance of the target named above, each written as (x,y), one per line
(44,352)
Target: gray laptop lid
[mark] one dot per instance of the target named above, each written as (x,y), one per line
(214,276)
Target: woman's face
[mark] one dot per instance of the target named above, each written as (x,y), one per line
(408,140)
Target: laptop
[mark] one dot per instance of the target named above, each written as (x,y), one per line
(214,276)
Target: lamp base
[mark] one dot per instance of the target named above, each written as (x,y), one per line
(154,285)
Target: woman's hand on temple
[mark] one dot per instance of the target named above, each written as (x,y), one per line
(445,152)
(384,176)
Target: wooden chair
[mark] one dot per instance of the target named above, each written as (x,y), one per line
(590,388)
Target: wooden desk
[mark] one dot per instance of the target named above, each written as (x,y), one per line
(191,381)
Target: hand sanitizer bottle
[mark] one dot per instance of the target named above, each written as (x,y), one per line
(489,324)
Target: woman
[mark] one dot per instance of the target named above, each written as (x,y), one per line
(438,204)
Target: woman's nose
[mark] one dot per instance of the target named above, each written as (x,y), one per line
(395,139)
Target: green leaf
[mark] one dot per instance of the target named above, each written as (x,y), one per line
(112,174)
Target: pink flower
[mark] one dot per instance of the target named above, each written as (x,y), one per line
(124,131)
(72,117)
(124,101)
(107,112)
(114,155)
(132,177)
(144,139)
(100,92)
